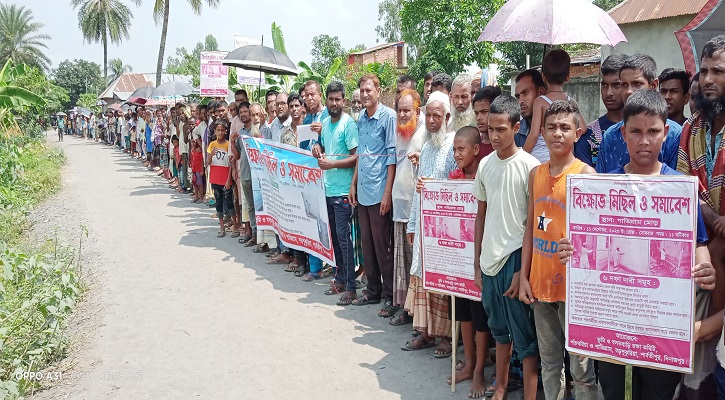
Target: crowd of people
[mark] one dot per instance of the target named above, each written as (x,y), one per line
(515,148)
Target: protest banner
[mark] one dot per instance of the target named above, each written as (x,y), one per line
(214,76)
(448,216)
(247,76)
(630,295)
(292,198)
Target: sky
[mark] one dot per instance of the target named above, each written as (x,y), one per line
(301,20)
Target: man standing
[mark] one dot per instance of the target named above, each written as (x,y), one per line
(462,113)
(481,107)
(587,147)
(340,139)
(529,86)
(428,83)
(372,191)
(245,173)
(702,154)
(356,105)
(430,310)
(675,88)
(282,121)
(409,139)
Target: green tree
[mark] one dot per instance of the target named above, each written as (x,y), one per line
(444,33)
(20,37)
(118,68)
(88,100)
(325,50)
(513,55)
(607,5)
(161,14)
(186,63)
(357,47)
(33,80)
(78,77)
(102,21)
(389,17)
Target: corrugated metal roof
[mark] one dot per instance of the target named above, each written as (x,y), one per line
(125,83)
(644,10)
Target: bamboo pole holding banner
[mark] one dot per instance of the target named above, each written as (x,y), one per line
(628,382)
(454,343)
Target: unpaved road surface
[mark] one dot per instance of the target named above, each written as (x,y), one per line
(175,313)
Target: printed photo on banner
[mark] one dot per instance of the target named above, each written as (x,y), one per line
(629,290)
(213,76)
(291,196)
(448,211)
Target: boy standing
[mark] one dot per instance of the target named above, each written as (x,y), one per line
(542,276)
(501,187)
(644,132)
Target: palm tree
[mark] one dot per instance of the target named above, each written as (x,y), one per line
(161,13)
(20,39)
(104,21)
(118,68)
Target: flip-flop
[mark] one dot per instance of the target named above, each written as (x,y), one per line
(312,276)
(426,345)
(402,319)
(221,234)
(364,300)
(444,355)
(345,300)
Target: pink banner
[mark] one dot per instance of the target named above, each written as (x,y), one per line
(448,216)
(630,295)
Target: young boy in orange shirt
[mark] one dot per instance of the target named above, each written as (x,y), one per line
(542,281)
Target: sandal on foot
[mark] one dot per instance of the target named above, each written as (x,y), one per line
(365,299)
(235,234)
(335,289)
(291,267)
(388,309)
(412,346)
(244,239)
(312,276)
(262,248)
(251,242)
(221,234)
(301,270)
(272,254)
(403,319)
(346,299)
(446,352)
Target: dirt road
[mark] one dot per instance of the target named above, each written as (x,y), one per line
(176,313)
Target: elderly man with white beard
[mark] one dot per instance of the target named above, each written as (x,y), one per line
(430,310)
(462,113)
(410,137)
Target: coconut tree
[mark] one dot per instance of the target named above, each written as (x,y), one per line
(20,37)
(161,14)
(118,68)
(103,21)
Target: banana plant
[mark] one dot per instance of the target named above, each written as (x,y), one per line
(14,99)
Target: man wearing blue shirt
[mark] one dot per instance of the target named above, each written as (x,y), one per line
(638,72)
(336,156)
(372,191)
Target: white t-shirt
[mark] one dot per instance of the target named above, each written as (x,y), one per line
(183,146)
(199,130)
(404,183)
(504,186)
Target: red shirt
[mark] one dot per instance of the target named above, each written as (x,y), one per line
(197,161)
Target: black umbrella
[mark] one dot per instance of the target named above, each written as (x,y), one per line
(707,24)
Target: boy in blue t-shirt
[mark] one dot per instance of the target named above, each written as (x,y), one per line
(645,127)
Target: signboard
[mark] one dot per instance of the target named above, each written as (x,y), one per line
(448,216)
(245,76)
(214,76)
(292,198)
(630,295)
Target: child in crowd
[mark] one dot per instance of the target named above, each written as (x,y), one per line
(176,165)
(555,70)
(644,132)
(474,326)
(219,157)
(501,187)
(133,129)
(542,283)
(197,170)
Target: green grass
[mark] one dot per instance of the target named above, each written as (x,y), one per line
(39,282)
